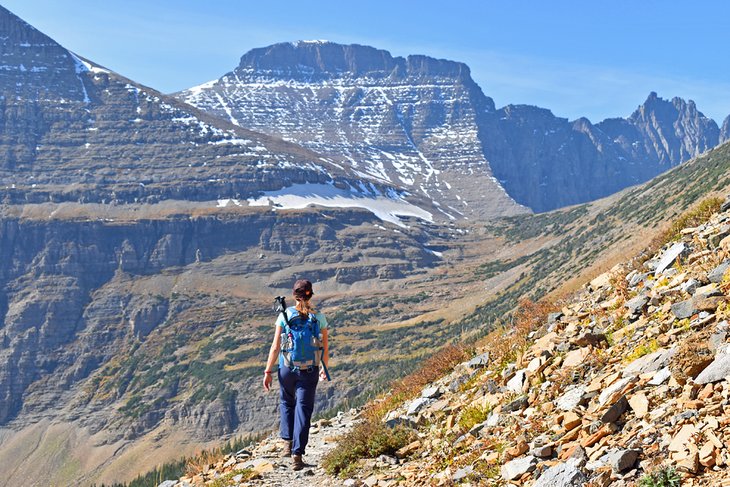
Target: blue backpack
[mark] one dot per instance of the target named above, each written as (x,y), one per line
(300,341)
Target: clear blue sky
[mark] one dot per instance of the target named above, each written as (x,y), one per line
(578,58)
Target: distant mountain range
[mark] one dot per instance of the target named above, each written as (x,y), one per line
(425,124)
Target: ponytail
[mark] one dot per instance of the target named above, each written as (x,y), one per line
(304,307)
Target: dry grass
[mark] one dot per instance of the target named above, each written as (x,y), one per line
(693,217)
(202,462)
(507,343)
(620,285)
(431,369)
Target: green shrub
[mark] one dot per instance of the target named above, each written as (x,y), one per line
(473,415)
(366,440)
(663,477)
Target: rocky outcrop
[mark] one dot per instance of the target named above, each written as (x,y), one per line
(662,132)
(725,130)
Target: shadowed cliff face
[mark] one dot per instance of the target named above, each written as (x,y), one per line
(546,162)
(425,124)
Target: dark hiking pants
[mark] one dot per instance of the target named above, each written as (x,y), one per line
(296,404)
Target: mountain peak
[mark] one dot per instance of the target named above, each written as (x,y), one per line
(325,59)
(34,66)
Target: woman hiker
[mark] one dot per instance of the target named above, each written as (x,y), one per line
(298,371)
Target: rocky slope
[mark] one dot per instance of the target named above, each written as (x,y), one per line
(629,377)
(129,330)
(424,123)
(628,380)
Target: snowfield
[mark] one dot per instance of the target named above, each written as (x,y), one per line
(387,208)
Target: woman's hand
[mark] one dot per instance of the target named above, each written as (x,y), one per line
(267,381)
(322,374)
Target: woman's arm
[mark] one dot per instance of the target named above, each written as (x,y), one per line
(273,356)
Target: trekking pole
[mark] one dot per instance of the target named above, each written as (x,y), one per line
(324,366)
(281,307)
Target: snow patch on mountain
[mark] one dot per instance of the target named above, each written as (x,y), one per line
(388,207)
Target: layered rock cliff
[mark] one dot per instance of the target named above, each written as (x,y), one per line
(71,130)
(410,121)
(425,124)
(76,294)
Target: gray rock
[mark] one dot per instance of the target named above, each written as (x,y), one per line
(717,340)
(690,286)
(431,392)
(706,291)
(636,305)
(650,363)
(553,317)
(479,361)
(418,404)
(516,405)
(718,370)
(168,483)
(669,257)
(508,371)
(684,416)
(492,420)
(571,398)
(457,382)
(726,204)
(612,389)
(615,411)
(661,376)
(387,459)
(684,309)
(544,451)
(474,431)
(716,274)
(462,473)
(637,278)
(518,467)
(715,239)
(561,475)
(622,460)
(579,457)
(401,421)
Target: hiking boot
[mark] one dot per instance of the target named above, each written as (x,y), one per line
(297,462)
(285,448)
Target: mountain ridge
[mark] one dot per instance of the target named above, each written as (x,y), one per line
(358,100)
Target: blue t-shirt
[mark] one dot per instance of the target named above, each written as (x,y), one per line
(292,311)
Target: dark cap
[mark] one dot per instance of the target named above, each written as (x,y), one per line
(303,289)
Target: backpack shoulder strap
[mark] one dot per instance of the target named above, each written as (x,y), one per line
(288,315)
(315,324)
